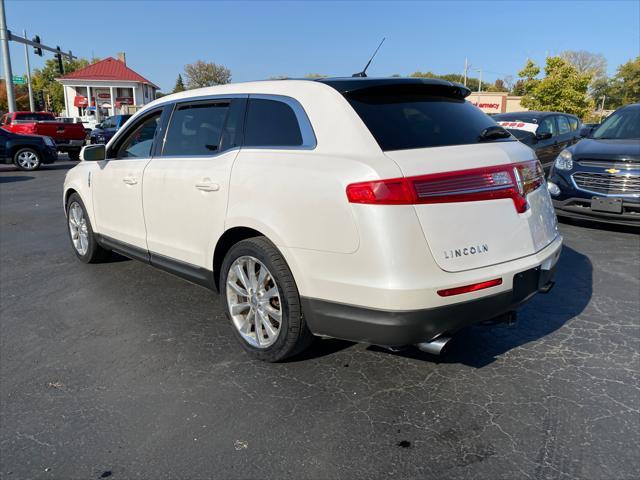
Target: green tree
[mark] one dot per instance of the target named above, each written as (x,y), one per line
(179,85)
(44,80)
(472,83)
(626,83)
(563,89)
(498,86)
(21,95)
(206,74)
(528,80)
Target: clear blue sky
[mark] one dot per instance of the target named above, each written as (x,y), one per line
(257,40)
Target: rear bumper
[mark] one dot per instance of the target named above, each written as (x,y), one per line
(396,328)
(66,145)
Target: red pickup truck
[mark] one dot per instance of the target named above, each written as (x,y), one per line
(69,137)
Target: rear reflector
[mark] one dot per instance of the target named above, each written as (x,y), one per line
(512,181)
(447,292)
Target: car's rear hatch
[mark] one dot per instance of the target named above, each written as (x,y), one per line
(463,235)
(480,195)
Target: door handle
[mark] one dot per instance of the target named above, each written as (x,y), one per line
(130,180)
(208,186)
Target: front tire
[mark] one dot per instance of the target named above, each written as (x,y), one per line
(74,155)
(83,240)
(261,300)
(27,159)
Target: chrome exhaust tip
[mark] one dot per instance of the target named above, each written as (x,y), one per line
(434,347)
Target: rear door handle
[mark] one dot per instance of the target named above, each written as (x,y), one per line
(208,186)
(130,180)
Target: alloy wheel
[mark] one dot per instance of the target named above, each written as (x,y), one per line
(78,228)
(254,301)
(27,159)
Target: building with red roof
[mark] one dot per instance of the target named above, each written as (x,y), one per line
(110,85)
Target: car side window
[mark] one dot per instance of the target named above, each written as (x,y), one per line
(271,123)
(563,125)
(573,123)
(547,126)
(196,129)
(138,143)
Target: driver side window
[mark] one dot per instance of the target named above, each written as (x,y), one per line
(138,143)
(547,126)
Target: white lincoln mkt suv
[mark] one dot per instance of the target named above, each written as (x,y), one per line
(386,211)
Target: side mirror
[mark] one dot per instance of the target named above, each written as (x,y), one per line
(543,135)
(586,132)
(93,153)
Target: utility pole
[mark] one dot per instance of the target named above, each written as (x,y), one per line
(480,82)
(6,59)
(5,37)
(466,68)
(32,106)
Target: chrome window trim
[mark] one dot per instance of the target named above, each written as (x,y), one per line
(203,98)
(309,141)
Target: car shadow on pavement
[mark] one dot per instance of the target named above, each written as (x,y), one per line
(15,178)
(597,225)
(59,166)
(480,345)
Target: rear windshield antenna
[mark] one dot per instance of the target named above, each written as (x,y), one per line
(363,73)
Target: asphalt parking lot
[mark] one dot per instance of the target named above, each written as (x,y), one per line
(119,370)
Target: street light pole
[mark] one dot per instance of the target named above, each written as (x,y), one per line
(6,59)
(32,106)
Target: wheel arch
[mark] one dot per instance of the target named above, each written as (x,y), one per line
(67,193)
(235,234)
(13,149)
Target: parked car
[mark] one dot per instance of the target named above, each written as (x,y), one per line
(548,133)
(27,152)
(69,137)
(107,129)
(599,178)
(387,211)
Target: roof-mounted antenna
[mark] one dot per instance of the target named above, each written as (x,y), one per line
(363,73)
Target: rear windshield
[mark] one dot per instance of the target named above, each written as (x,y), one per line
(31,117)
(401,121)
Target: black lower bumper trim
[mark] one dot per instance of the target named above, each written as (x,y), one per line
(395,328)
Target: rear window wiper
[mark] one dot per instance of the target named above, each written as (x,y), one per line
(493,132)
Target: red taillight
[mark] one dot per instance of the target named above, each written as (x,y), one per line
(447,292)
(513,181)
(396,191)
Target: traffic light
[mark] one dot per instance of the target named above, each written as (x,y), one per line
(40,103)
(37,50)
(58,57)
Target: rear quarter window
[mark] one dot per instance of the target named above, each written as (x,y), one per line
(406,121)
(271,123)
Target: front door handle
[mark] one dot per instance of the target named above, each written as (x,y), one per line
(208,186)
(130,180)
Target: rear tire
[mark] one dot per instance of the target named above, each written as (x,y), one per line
(261,301)
(27,159)
(83,240)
